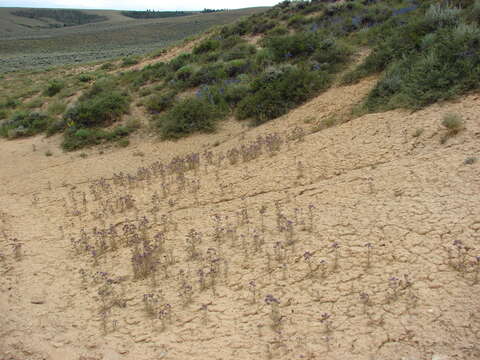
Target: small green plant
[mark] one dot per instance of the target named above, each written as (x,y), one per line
(48,153)
(453,123)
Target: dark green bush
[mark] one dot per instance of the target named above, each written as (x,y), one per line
(278,31)
(54,87)
(185,73)
(235,92)
(9,103)
(240,51)
(160,102)
(206,46)
(290,46)
(448,65)
(189,116)
(180,60)
(236,67)
(107,66)
(129,61)
(24,123)
(279,90)
(76,138)
(209,74)
(85,78)
(99,109)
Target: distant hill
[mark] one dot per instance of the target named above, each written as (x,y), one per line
(32,41)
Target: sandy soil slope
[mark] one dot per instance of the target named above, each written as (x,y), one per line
(354,242)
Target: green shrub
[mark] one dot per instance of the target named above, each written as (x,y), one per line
(209,74)
(305,44)
(278,90)
(3,114)
(240,51)
(85,78)
(35,103)
(206,46)
(56,127)
(129,61)
(189,116)
(235,92)
(263,27)
(185,73)
(297,21)
(449,66)
(180,60)
(99,109)
(56,108)
(453,123)
(76,138)
(54,87)
(107,66)
(236,67)
(24,123)
(278,30)
(9,103)
(160,102)
(231,41)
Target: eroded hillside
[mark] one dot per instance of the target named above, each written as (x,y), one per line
(285,241)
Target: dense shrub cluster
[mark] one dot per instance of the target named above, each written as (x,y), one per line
(278,90)
(76,138)
(189,116)
(100,106)
(437,56)
(24,123)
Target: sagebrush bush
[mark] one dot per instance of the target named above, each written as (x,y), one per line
(209,74)
(278,90)
(180,60)
(24,123)
(452,122)
(237,67)
(240,51)
(76,138)
(100,106)
(185,73)
(189,116)
(159,102)
(129,61)
(206,46)
(54,87)
(449,65)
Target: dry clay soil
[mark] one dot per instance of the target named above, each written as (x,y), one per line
(357,242)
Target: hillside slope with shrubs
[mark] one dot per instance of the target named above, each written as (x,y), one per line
(267,64)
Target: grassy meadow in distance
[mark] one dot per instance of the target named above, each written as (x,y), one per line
(28,43)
